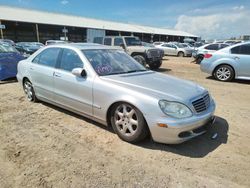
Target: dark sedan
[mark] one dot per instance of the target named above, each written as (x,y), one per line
(9,58)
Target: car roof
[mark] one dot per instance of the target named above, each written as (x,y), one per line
(84,46)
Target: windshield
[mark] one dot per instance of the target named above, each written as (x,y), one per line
(108,62)
(132,41)
(7,48)
(179,45)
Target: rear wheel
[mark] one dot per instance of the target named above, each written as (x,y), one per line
(128,123)
(180,54)
(29,91)
(140,59)
(224,73)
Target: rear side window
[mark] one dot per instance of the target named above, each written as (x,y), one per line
(212,47)
(107,41)
(118,41)
(47,57)
(70,60)
(243,49)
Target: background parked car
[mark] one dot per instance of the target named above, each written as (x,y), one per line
(199,53)
(10,42)
(49,42)
(176,49)
(228,63)
(145,55)
(9,57)
(28,48)
(158,43)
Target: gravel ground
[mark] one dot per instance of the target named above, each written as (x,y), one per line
(45,146)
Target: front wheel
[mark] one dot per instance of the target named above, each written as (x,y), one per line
(155,65)
(128,123)
(29,91)
(224,73)
(140,59)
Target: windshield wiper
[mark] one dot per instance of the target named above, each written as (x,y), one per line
(142,70)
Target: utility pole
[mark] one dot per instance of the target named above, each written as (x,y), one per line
(37,33)
(1,30)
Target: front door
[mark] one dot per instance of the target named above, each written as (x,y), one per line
(72,91)
(241,54)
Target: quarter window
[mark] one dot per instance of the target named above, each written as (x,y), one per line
(70,60)
(107,41)
(47,57)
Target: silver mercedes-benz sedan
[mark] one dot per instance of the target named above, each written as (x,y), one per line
(107,85)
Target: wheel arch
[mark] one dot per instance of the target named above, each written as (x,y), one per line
(108,113)
(227,65)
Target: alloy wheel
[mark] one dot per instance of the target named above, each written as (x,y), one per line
(126,120)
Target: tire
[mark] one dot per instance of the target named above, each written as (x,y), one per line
(155,65)
(140,59)
(224,73)
(29,91)
(128,123)
(180,54)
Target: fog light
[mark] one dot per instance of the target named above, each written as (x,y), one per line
(162,125)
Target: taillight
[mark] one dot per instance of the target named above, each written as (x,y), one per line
(207,56)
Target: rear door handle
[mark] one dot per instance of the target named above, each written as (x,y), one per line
(57,74)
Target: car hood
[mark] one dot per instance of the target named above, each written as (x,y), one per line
(157,85)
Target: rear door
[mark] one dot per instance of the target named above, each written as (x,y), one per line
(72,91)
(168,49)
(42,72)
(241,54)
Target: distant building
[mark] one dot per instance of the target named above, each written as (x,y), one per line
(245,37)
(32,25)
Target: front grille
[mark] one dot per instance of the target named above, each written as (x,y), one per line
(201,104)
(154,53)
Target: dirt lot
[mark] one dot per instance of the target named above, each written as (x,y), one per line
(45,146)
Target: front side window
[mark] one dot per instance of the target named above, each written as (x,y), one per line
(70,60)
(118,41)
(47,57)
(223,46)
(107,41)
(107,62)
(167,45)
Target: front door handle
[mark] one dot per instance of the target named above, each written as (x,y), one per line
(236,58)
(57,74)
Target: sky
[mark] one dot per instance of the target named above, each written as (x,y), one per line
(210,19)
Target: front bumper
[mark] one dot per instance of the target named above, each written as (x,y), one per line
(180,130)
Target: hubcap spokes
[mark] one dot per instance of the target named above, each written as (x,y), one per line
(223,73)
(28,90)
(126,120)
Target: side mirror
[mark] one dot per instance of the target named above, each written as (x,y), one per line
(79,72)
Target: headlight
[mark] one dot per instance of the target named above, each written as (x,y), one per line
(175,109)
